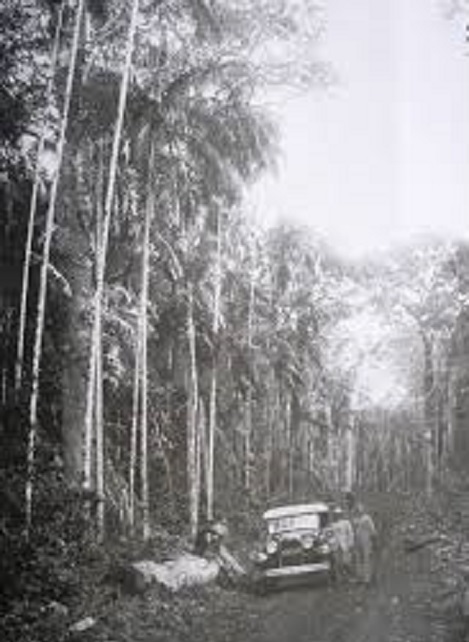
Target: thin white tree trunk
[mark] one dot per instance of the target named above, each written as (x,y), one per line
(214,376)
(135,416)
(102,250)
(32,212)
(134,432)
(429,464)
(211,442)
(350,456)
(273,419)
(99,440)
(192,417)
(247,440)
(42,296)
(450,415)
(99,370)
(291,445)
(144,347)
(90,405)
(332,468)
(248,426)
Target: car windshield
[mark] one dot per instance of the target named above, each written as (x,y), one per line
(309,521)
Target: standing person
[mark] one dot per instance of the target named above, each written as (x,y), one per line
(343,539)
(365,544)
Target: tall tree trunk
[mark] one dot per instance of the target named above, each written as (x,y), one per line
(211,440)
(201,444)
(349,455)
(290,444)
(429,411)
(192,420)
(4,350)
(99,369)
(441,404)
(213,384)
(102,250)
(248,410)
(135,406)
(134,432)
(297,444)
(451,406)
(311,462)
(144,347)
(247,440)
(42,296)
(99,440)
(90,414)
(268,450)
(32,210)
(332,468)
(271,417)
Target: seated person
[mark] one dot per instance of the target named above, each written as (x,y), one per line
(209,537)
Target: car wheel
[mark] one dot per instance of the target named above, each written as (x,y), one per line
(334,574)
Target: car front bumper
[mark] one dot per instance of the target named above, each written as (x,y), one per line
(298,570)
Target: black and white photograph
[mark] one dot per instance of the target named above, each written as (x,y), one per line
(234,320)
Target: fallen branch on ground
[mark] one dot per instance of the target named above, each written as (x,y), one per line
(412,545)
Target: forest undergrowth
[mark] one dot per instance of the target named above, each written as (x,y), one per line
(52,582)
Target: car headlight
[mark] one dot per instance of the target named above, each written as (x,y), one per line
(324,549)
(271,546)
(307,542)
(258,557)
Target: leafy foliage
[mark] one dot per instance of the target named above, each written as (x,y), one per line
(286,362)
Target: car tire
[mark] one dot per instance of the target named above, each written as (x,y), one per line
(334,574)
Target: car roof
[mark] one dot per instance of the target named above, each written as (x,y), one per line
(296,509)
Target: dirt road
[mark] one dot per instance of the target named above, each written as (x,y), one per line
(402,606)
(412,600)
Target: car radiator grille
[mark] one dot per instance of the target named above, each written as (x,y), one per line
(291,552)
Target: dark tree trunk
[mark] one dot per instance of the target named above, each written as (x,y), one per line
(78,271)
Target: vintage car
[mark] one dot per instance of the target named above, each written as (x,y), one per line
(297,544)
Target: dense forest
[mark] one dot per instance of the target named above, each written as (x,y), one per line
(164,360)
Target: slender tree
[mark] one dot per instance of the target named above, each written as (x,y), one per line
(99,440)
(102,250)
(135,406)
(149,212)
(213,383)
(33,206)
(42,296)
(134,430)
(250,324)
(99,367)
(193,436)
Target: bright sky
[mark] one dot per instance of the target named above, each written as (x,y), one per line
(385,153)
(364,347)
